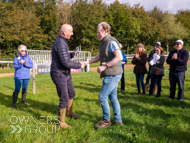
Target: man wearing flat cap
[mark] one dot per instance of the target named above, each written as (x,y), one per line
(177,60)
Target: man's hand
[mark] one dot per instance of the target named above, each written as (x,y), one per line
(86,63)
(174,57)
(82,65)
(101,69)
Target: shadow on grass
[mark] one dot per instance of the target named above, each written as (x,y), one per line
(47,107)
(92,100)
(88,87)
(9,87)
(158,131)
(162,101)
(35,107)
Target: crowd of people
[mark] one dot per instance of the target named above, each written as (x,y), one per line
(112,61)
(177,60)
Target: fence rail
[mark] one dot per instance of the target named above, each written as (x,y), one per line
(6,62)
(44,56)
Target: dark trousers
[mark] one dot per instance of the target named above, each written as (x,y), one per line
(154,78)
(148,76)
(123,81)
(140,80)
(65,88)
(179,78)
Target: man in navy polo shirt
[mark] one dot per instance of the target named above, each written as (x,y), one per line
(177,60)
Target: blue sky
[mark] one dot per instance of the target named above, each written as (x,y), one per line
(165,5)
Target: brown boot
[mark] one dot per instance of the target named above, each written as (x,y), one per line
(155,89)
(61,114)
(70,112)
(118,123)
(146,87)
(103,124)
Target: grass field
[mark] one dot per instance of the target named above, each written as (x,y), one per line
(146,118)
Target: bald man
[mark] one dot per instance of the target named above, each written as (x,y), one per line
(60,74)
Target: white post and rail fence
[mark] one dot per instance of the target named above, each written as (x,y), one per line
(42,60)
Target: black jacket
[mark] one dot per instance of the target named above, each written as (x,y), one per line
(61,57)
(159,64)
(180,64)
(140,64)
(150,55)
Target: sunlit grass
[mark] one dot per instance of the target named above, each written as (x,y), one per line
(146,118)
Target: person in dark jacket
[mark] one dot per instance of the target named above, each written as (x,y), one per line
(157,63)
(22,64)
(139,61)
(177,60)
(123,62)
(60,74)
(148,75)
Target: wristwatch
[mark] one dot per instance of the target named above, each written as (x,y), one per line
(107,66)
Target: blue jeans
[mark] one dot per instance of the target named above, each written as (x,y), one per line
(179,78)
(154,78)
(139,79)
(109,89)
(19,82)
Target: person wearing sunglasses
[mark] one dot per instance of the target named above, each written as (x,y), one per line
(22,64)
(148,75)
(157,70)
(177,60)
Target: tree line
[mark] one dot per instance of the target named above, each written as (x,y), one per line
(36,24)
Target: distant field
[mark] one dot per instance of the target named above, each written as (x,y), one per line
(146,118)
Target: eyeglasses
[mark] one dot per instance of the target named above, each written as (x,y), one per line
(23,50)
(177,44)
(156,45)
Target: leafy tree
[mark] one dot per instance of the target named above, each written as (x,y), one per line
(86,16)
(172,29)
(18,27)
(149,27)
(65,12)
(156,13)
(124,26)
(183,16)
(49,21)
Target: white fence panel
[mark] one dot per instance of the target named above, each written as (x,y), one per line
(44,57)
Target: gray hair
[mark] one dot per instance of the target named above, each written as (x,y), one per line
(21,47)
(105,26)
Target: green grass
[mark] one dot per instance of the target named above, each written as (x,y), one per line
(146,119)
(7,70)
